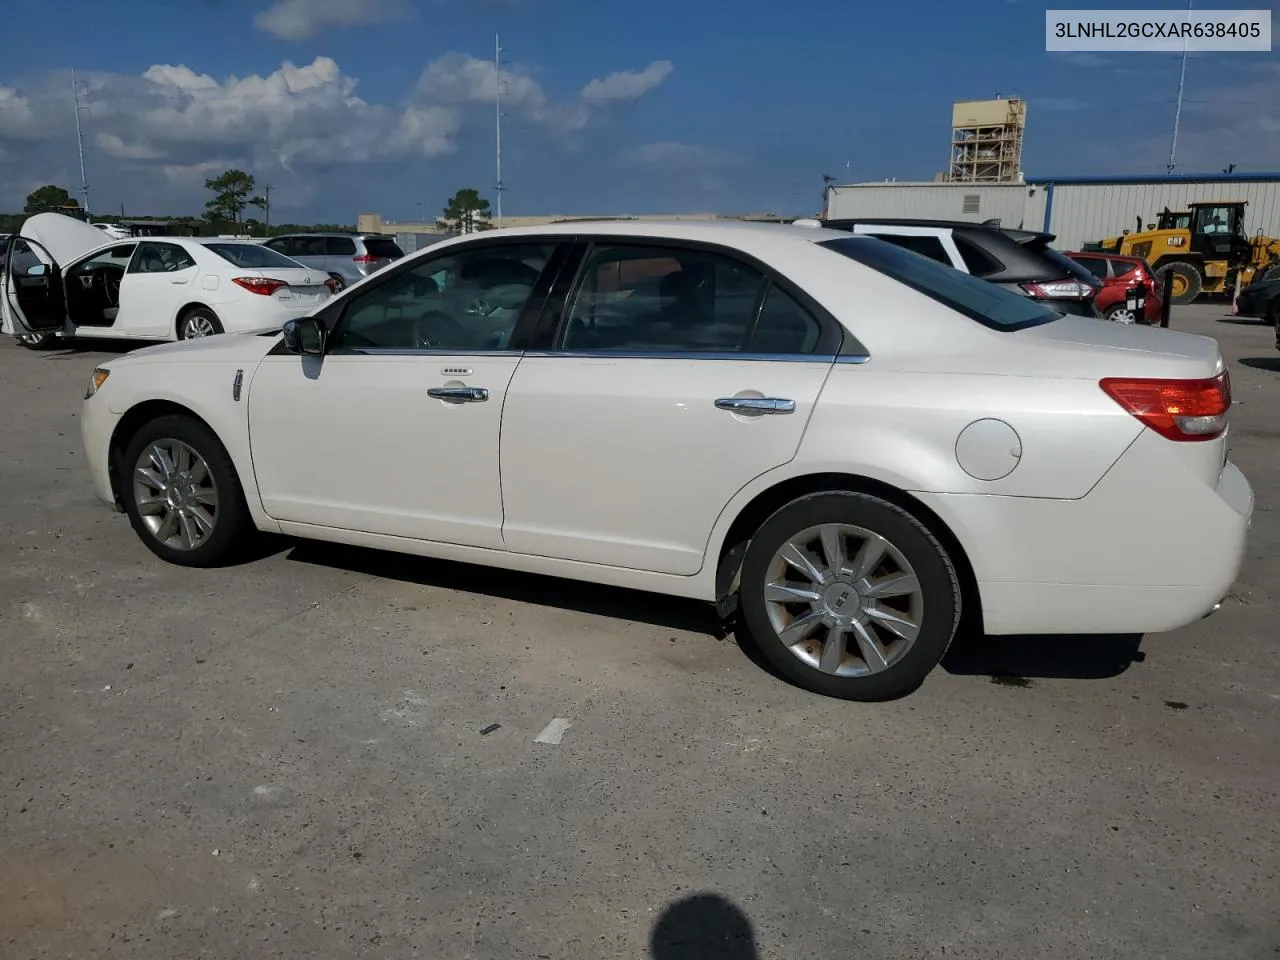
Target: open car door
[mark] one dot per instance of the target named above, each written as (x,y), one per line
(34,301)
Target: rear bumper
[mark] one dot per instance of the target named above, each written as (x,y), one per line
(1130,557)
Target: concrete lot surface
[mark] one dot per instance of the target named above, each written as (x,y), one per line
(288,758)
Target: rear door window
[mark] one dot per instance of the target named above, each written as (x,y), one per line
(1095,265)
(339,247)
(987,303)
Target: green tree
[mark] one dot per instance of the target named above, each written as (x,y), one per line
(49,198)
(467,211)
(231,193)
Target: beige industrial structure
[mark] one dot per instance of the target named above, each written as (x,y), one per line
(986,140)
(1077,210)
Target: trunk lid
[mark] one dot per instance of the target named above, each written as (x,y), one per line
(66,238)
(1079,347)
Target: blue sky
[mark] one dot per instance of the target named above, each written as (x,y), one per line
(612,107)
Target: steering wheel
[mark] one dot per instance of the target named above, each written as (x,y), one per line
(435,327)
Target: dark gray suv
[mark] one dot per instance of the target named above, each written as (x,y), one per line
(346,257)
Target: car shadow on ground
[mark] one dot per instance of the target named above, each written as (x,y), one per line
(1271,364)
(1013,660)
(1245,321)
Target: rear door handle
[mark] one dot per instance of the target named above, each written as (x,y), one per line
(459,394)
(758,405)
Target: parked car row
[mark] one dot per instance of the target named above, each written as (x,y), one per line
(64,277)
(850,448)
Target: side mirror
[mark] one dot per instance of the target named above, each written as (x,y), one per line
(305,336)
(38,270)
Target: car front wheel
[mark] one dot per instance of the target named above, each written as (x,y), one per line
(849,595)
(182,494)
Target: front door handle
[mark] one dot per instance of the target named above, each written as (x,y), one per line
(756,405)
(459,394)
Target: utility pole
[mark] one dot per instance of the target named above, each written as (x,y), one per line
(266,208)
(84,183)
(1177,113)
(497,111)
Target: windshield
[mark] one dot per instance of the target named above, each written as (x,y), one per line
(989,304)
(252,255)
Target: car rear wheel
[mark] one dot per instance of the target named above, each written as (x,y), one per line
(39,341)
(1120,313)
(849,595)
(198,322)
(182,494)
(1187,283)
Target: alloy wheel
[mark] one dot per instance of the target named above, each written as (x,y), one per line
(198,325)
(175,493)
(1123,315)
(843,600)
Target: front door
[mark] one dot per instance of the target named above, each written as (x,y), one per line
(34,298)
(395,430)
(677,376)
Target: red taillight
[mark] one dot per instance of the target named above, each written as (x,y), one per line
(259,285)
(1176,409)
(366,258)
(1059,290)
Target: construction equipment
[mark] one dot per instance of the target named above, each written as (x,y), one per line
(1205,248)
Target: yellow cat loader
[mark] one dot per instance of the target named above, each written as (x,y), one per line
(1205,248)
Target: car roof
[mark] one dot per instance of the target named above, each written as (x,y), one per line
(728,232)
(1123,257)
(1014,233)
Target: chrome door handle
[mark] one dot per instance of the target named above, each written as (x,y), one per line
(756,405)
(459,394)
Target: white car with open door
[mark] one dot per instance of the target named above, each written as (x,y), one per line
(851,443)
(63,277)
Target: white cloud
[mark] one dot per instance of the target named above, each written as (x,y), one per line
(457,78)
(300,19)
(171,127)
(627,84)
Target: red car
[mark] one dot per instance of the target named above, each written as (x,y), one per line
(1119,275)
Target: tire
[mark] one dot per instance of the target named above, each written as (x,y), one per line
(1191,281)
(39,341)
(1120,313)
(839,667)
(228,517)
(198,322)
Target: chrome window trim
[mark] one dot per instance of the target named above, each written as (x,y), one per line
(700,355)
(604,354)
(418,352)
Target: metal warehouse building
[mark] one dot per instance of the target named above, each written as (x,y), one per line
(1076,210)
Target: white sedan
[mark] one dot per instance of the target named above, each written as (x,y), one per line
(64,277)
(851,445)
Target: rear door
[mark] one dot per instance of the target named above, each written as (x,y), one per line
(673,376)
(160,279)
(35,301)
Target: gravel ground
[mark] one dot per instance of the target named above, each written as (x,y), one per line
(290,759)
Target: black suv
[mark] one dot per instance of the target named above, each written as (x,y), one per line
(1019,260)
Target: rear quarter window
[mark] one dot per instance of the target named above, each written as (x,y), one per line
(251,255)
(383,247)
(988,304)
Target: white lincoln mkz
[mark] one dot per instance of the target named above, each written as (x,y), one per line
(850,444)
